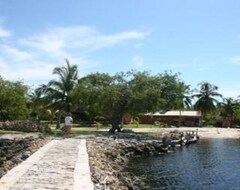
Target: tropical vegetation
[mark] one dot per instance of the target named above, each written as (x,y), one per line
(106,99)
(13,100)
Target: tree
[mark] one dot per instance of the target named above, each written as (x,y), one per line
(101,95)
(125,93)
(151,93)
(13,101)
(206,101)
(37,104)
(58,91)
(146,93)
(184,100)
(228,109)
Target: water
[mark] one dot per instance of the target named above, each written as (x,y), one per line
(210,164)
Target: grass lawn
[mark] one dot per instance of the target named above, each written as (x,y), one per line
(6,132)
(3,132)
(78,129)
(139,126)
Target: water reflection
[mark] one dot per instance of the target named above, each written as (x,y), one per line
(210,164)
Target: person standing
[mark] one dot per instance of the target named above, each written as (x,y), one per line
(68,124)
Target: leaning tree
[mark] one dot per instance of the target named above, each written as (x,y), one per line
(125,93)
(102,95)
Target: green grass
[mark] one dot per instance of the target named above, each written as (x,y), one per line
(80,129)
(76,130)
(88,126)
(3,132)
(139,126)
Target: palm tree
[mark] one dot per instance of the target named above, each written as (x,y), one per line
(206,98)
(36,103)
(183,100)
(228,109)
(58,91)
(51,113)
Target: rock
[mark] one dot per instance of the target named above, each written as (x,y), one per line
(109,153)
(127,131)
(25,155)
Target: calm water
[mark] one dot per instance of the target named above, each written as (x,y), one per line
(210,164)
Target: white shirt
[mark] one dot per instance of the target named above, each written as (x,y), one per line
(68,120)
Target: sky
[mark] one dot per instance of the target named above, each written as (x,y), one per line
(199,39)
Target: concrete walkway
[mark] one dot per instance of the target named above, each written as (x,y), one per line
(60,165)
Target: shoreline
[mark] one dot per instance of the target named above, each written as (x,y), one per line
(203,132)
(109,155)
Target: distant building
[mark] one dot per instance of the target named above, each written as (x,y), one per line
(187,118)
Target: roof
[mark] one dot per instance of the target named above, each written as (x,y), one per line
(177,113)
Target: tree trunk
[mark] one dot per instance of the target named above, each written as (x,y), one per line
(231,122)
(119,111)
(115,125)
(58,120)
(201,120)
(180,118)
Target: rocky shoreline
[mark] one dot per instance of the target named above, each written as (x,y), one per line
(14,150)
(109,153)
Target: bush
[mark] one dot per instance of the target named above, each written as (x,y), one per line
(136,121)
(161,124)
(98,125)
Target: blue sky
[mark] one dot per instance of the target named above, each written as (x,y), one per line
(199,39)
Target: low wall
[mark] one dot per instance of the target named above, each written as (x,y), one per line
(24,126)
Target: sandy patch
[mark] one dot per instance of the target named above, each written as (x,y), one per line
(204,132)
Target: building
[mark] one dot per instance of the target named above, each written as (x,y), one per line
(186,118)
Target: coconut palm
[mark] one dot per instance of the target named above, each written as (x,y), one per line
(184,101)
(206,101)
(37,104)
(228,108)
(58,91)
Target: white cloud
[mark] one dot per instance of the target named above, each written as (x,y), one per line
(33,71)
(137,61)
(15,54)
(235,59)
(33,58)
(59,40)
(104,41)
(4,33)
